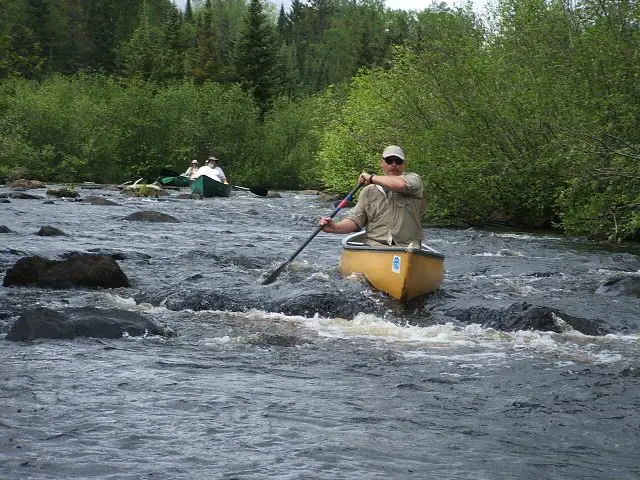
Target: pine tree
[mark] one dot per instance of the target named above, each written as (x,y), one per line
(102,28)
(255,55)
(77,48)
(140,55)
(188,12)
(173,45)
(202,62)
(284,26)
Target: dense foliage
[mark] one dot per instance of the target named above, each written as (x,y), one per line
(528,117)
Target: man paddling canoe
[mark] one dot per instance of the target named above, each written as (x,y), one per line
(213,171)
(390,206)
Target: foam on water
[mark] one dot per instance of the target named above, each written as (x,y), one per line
(504,252)
(524,236)
(471,341)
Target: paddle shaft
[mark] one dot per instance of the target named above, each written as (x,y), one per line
(340,206)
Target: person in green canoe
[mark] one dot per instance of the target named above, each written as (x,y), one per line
(390,206)
(192,171)
(213,170)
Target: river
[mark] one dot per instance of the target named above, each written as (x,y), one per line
(314,376)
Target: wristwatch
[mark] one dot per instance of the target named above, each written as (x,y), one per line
(371,179)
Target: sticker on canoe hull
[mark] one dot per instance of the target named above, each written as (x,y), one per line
(395,265)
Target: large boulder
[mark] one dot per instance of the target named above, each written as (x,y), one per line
(144,190)
(26,184)
(62,192)
(90,271)
(49,231)
(82,322)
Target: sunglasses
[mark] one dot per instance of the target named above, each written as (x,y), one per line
(396,160)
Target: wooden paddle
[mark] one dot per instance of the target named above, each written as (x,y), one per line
(273,275)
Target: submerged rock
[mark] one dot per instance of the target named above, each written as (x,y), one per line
(266,340)
(91,271)
(24,196)
(151,216)
(82,322)
(115,254)
(97,200)
(621,286)
(49,231)
(524,316)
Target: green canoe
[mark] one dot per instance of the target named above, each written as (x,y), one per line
(179,181)
(208,187)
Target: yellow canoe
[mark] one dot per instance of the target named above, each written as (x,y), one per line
(402,272)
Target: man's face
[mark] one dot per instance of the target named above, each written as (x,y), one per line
(393,168)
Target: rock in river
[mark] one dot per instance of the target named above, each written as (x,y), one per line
(82,322)
(91,271)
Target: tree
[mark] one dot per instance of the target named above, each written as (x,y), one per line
(154,52)
(188,12)
(255,55)
(202,62)
(284,25)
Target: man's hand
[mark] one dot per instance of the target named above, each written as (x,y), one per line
(327,224)
(365,178)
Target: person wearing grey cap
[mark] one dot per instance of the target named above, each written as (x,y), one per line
(212,170)
(390,206)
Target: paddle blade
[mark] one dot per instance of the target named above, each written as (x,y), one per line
(261,192)
(167,172)
(273,275)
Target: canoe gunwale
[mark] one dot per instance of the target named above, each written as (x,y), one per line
(425,250)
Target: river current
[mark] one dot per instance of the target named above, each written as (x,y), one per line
(314,376)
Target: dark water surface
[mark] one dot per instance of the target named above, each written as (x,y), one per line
(314,376)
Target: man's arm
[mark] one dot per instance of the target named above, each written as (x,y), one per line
(395,184)
(343,226)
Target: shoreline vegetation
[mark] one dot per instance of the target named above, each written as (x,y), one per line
(528,118)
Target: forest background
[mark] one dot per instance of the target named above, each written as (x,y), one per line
(527,116)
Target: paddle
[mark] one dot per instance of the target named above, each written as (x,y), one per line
(273,275)
(261,192)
